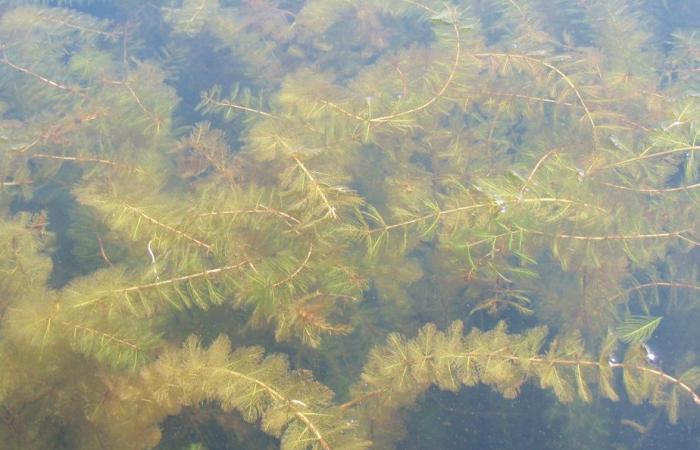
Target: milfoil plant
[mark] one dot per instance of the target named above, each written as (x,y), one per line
(306,214)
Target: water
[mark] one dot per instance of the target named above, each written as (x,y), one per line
(345,224)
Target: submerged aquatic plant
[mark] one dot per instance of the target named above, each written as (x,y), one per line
(187,184)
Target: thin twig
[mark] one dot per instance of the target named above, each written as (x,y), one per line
(653,190)
(103,253)
(231,105)
(168,227)
(64,87)
(441,213)
(289,403)
(170,281)
(560,73)
(74,159)
(356,401)
(652,155)
(617,237)
(534,169)
(653,284)
(317,187)
(65,23)
(439,93)
(298,269)
(180,279)
(105,336)
(260,209)
(14,183)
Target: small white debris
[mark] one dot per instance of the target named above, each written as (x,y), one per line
(502,206)
(651,356)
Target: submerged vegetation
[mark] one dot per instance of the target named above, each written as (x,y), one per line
(303,217)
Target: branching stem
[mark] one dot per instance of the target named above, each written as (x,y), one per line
(293,406)
(168,227)
(43,79)
(298,269)
(651,285)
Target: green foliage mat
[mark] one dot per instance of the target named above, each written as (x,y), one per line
(355,177)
